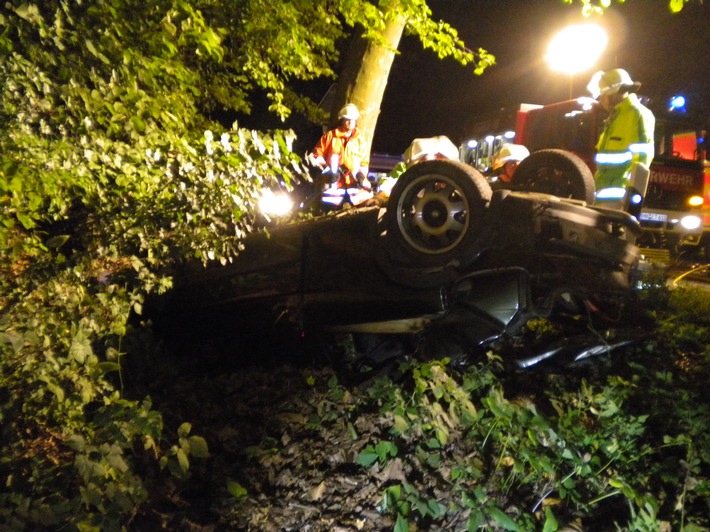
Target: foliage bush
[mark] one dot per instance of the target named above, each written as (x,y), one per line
(112,171)
(625,449)
(109,175)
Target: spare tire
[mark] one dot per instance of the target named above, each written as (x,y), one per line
(433,218)
(557,172)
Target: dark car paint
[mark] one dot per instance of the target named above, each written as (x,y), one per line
(332,273)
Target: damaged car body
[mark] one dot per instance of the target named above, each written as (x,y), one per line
(447,268)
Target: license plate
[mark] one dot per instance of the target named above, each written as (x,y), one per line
(653,217)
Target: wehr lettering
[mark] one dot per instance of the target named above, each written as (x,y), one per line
(672,179)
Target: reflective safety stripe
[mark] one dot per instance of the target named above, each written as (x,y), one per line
(613,158)
(641,147)
(611,193)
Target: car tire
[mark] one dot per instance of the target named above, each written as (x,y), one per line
(434,216)
(557,172)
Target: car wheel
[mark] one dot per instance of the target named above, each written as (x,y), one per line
(433,218)
(557,172)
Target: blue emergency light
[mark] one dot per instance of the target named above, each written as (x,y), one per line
(677,103)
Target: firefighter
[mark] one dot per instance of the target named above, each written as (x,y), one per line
(625,147)
(505,161)
(342,151)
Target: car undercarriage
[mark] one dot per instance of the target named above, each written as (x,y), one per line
(447,266)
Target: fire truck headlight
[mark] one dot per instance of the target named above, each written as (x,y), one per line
(695,201)
(635,199)
(690,222)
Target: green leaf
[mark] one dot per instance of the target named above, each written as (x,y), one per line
(26,220)
(13,338)
(390,502)
(400,425)
(352,433)
(53,387)
(475,520)
(690,527)
(236,490)
(57,241)
(108,367)
(676,5)
(27,12)
(138,124)
(503,519)
(92,494)
(401,525)
(367,457)
(614,483)
(442,435)
(433,443)
(551,523)
(198,447)
(436,509)
(117,462)
(80,348)
(183,460)
(385,450)
(184,430)
(77,442)
(90,46)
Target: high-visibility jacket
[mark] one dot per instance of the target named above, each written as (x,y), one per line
(349,148)
(627,141)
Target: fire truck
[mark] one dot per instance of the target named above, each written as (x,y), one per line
(561,138)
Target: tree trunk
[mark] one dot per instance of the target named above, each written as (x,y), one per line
(364,76)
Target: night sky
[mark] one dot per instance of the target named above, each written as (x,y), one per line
(668,54)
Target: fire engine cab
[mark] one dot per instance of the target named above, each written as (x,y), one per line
(561,138)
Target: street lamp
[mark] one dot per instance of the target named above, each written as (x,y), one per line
(575,49)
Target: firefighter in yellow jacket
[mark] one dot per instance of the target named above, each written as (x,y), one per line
(625,147)
(342,148)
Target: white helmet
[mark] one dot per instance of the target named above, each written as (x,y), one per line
(611,82)
(509,152)
(349,112)
(424,149)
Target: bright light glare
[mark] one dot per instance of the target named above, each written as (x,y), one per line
(576,48)
(586,102)
(677,103)
(691,222)
(695,201)
(272,204)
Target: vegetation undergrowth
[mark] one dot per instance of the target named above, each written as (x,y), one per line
(624,448)
(110,175)
(627,449)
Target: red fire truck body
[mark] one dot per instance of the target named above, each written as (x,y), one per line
(676,210)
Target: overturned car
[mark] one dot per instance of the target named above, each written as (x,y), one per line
(446,268)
